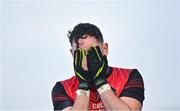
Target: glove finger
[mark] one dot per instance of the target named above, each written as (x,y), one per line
(106,68)
(97,53)
(75,58)
(91,65)
(95,56)
(78,58)
(105,59)
(82,53)
(91,59)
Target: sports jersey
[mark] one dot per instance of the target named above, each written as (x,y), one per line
(123,82)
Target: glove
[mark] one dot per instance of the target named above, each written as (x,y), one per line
(82,75)
(97,66)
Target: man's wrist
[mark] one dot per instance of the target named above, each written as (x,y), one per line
(81,92)
(103,88)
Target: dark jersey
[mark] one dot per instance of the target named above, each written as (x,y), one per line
(124,82)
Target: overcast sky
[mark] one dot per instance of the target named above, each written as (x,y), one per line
(35,49)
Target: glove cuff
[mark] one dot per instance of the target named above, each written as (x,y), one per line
(99,82)
(83,85)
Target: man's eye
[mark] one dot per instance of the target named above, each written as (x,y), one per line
(84,36)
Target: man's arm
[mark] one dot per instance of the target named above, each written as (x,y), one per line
(61,100)
(82,101)
(82,98)
(111,102)
(131,97)
(98,68)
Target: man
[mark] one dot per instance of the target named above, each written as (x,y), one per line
(95,85)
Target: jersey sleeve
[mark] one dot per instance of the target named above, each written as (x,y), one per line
(134,87)
(60,98)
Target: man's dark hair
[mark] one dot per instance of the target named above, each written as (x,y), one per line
(82,29)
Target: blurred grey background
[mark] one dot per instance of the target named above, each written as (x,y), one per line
(34,48)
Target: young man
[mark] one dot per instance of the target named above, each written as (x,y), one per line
(95,85)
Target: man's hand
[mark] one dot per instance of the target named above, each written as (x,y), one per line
(82,75)
(97,66)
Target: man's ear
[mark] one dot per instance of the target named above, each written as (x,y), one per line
(105,48)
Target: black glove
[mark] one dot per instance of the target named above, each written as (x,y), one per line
(82,75)
(97,66)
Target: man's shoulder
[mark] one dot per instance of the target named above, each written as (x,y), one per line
(121,71)
(124,71)
(123,74)
(69,86)
(70,79)
(120,76)
(66,82)
(69,82)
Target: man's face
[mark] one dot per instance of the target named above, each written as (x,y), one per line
(85,42)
